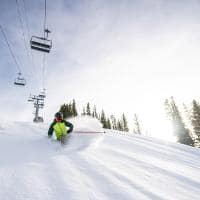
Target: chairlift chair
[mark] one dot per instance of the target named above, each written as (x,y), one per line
(30,99)
(42,95)
(41,43)
(20,80)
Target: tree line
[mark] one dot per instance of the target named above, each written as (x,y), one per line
(108,122)
(186,131)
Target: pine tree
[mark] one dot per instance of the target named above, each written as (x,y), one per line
(182,134)
(114,122)
(74,110)
(94,113)
(70,109)
(137,127)
(63,110)
(187,112)
(195,121)
(66,110)
(119,126)
(108,124)
(124,123)
(83,113)
(103,119)
(88,112)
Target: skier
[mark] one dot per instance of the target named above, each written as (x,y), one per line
(61,128)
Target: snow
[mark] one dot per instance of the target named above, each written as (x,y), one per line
(93,166)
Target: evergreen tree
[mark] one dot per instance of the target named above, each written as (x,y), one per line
(182,134)
(137,127)
(195,121)
(88,112)
(74,110)
(70,110)
(103,119)
(108,124)
(63,110)
(94,113)
(119,126)
(124,123)
(83,113)
(99,117)
(187,112)
(114,122)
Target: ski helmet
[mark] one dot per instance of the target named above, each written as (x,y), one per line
(59,115)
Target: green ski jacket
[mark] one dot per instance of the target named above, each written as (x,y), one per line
(60,128)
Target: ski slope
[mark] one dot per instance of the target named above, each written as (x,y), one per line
(94,166)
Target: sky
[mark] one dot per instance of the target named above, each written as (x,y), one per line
(125,56)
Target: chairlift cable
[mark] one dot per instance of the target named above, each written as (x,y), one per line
(10,49)
(29,37)
(22,28)
(30,58)
(26,19)
(43,71)
(45,15)
(44,56)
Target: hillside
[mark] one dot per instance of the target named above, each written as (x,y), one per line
(93,166)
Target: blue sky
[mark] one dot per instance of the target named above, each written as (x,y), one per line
(123,55)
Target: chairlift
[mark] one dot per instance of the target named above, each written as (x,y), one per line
(20,80)
(42,94)
(41,43)
(30,98)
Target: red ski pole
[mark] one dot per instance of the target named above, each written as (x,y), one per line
(89,132)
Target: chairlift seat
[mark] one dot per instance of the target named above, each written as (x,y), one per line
(42,96)
(41,44)
(20,81)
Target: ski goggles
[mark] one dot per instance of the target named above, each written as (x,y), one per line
(58,119)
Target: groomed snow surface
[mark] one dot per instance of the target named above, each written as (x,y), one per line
(93,166)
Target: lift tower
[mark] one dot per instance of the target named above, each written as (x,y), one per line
(38,102)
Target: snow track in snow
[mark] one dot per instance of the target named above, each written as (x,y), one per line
(94,166)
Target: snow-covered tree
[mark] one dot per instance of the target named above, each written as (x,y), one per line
(103,119)
(88,111)
(119,125)
(113,122)
(137,127)
(83,112)
(74,110)
(108,124)
(182,134)
(195,120)
(124,123)
(94,113)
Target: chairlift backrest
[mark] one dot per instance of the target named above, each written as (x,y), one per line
(41,44)
(42,95)
(20,81)
(30,99)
